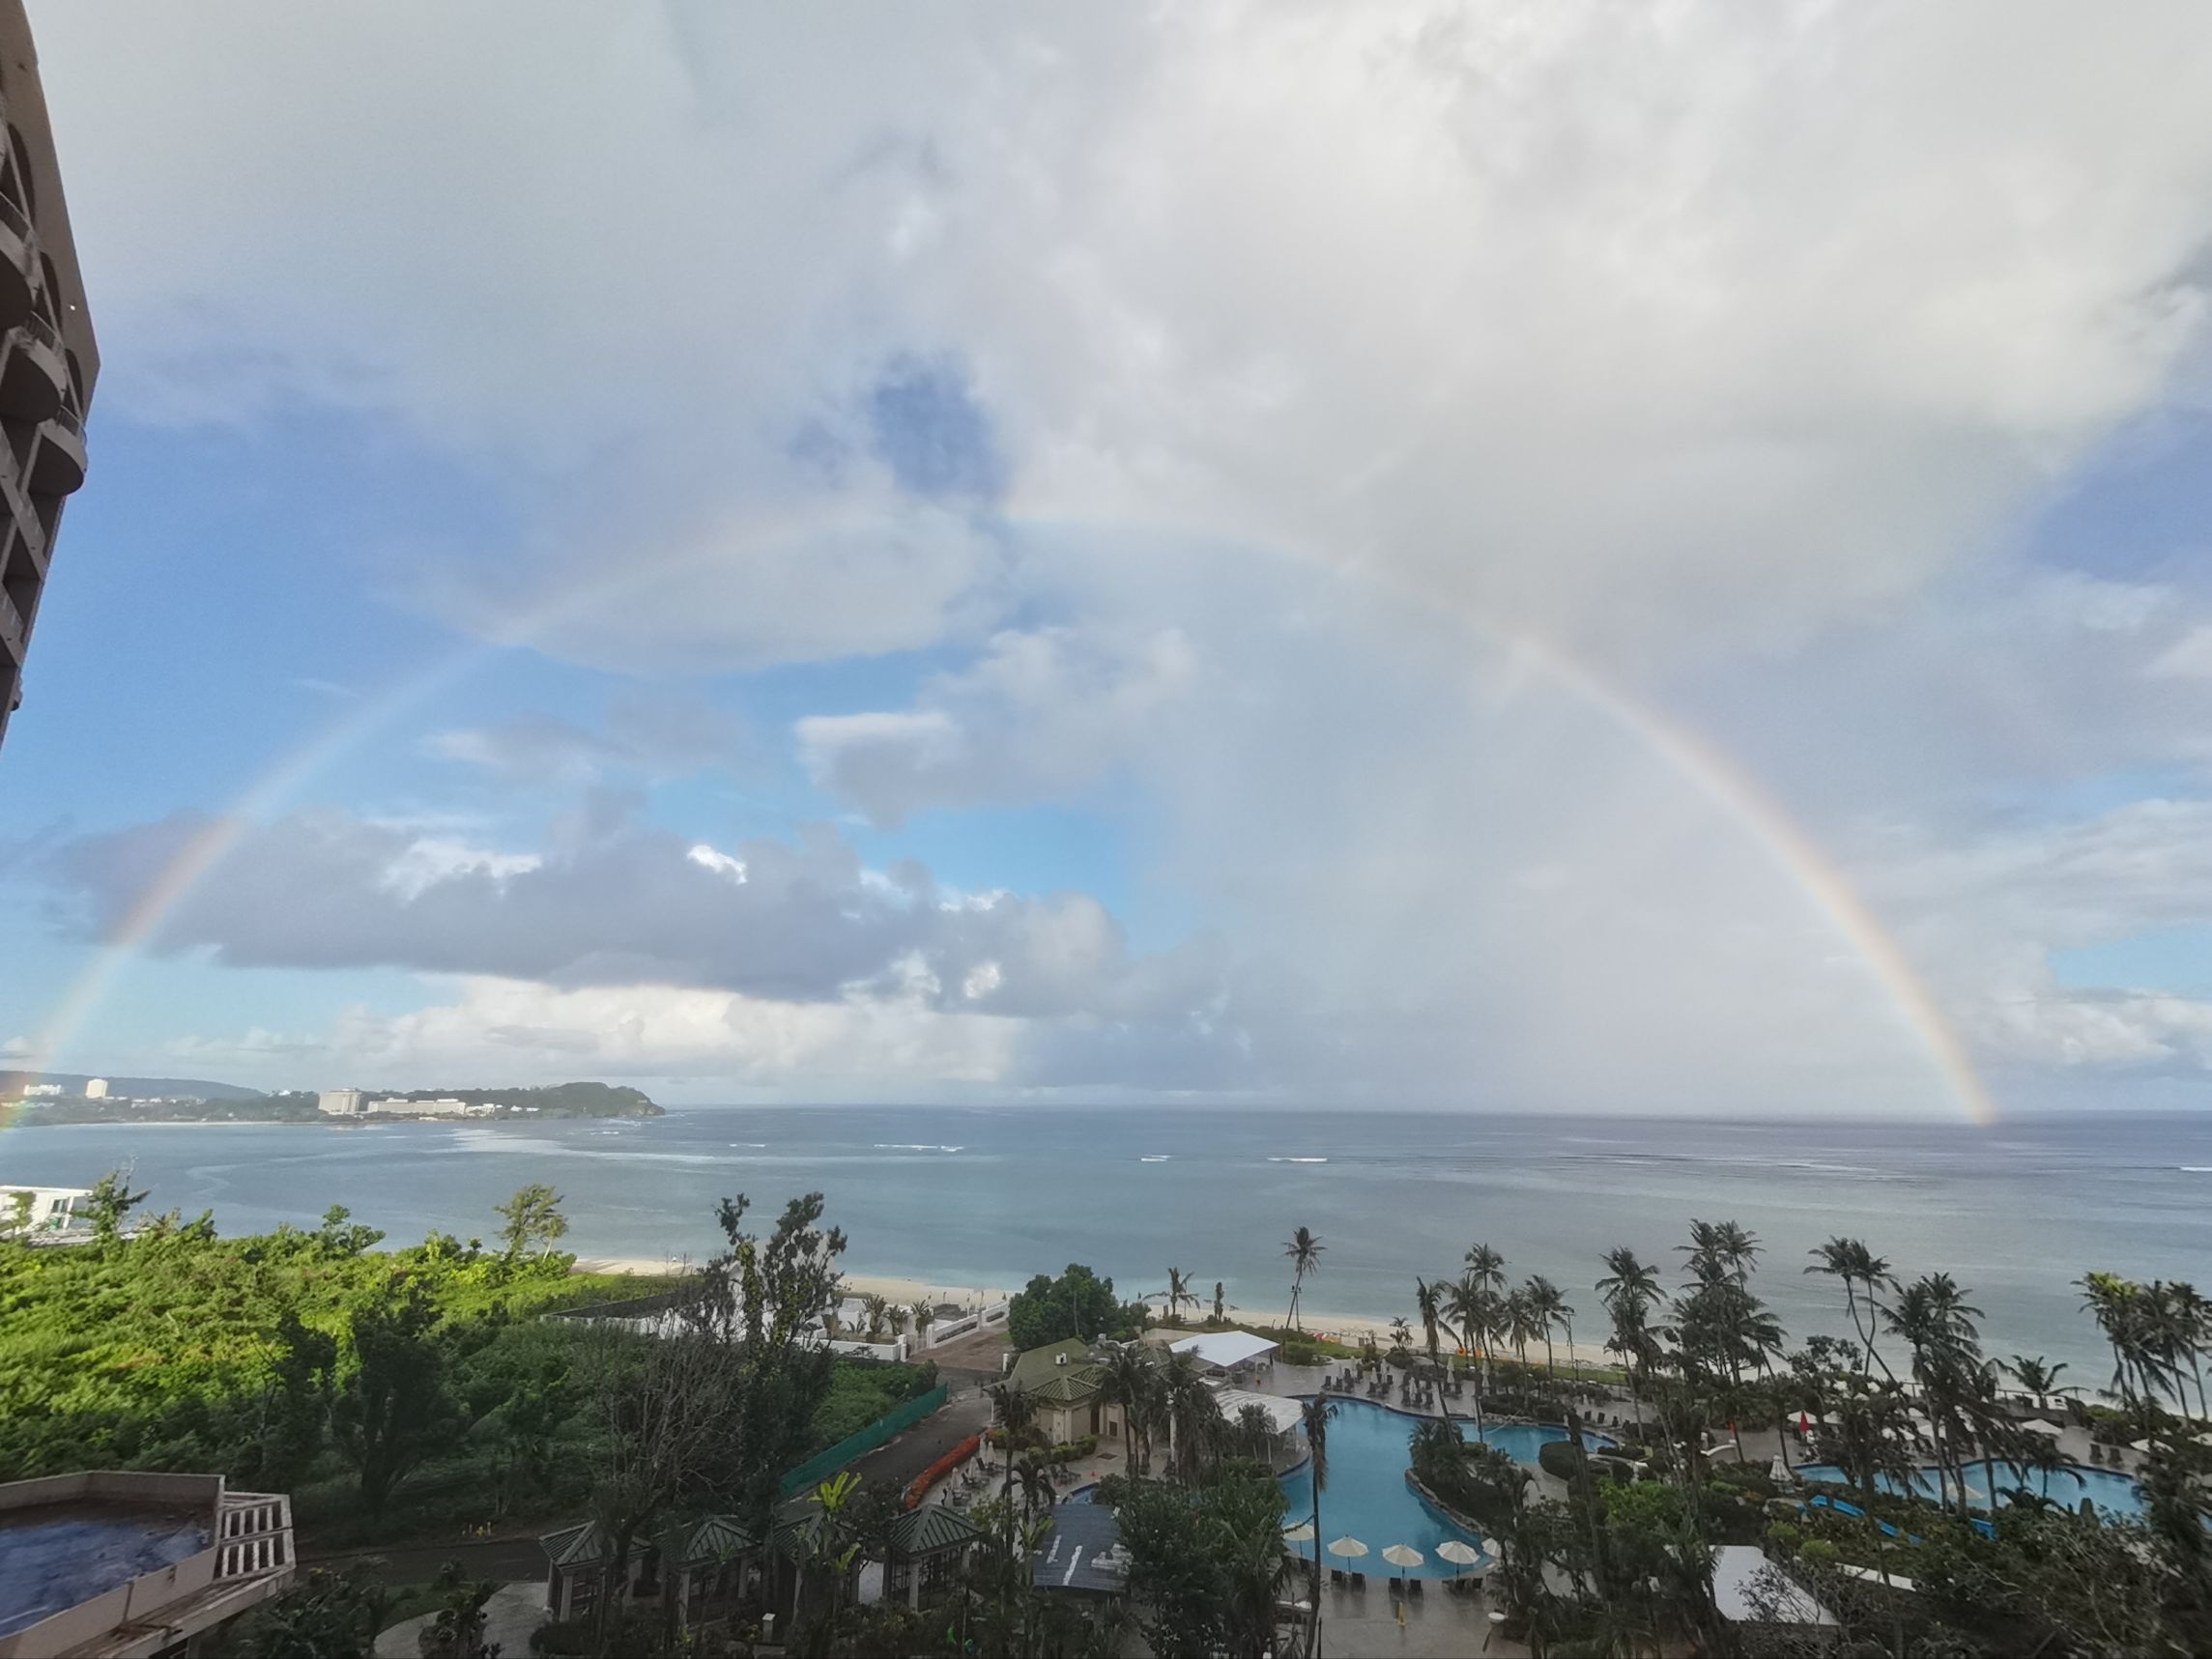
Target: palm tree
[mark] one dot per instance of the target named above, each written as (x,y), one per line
(1520,1324)
(1474,1314)
(925,1315)
(2035,1377)
(1220,1305)
(1016,1411)
(2119,1307)
(1938,1325)
(1428,1304)
(1629,1291)
(1177,1292)
(1130,1383)
(1256,1429)
(1317,1412)
(1303,1248)
(1850,1262)
(1551,1311)
(1036,1483)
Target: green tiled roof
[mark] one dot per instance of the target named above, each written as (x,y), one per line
(931,1528)
(1039,1374)
(710,1539)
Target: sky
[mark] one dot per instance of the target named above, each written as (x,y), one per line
(1494,558)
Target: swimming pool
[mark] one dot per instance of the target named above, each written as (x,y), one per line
(2114,1493)
(1367,1496)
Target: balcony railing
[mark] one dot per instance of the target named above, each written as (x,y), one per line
(10,621)
(67,418)
(15,219)
(42,331)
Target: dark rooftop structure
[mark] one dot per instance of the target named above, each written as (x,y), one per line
(1083,1555)
(117,1565)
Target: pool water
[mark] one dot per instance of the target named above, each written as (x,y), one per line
(1367,1497)
(2115,1494)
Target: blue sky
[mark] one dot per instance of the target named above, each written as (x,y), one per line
(880,577)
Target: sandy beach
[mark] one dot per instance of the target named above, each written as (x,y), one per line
(1341,1327)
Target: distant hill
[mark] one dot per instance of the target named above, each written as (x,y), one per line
(556,1100)
(74,1082)
(227,1102)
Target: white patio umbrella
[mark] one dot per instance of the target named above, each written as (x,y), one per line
(1457,1553)
(2036,1425)
(1302,1533)
(1348,1549)
(1402,1557)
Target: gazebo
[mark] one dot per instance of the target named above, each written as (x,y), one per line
(926,1547)
(579,1558)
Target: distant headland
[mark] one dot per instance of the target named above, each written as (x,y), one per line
(59,1098)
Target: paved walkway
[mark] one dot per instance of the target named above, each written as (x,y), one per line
(896,1462)
(515,1611)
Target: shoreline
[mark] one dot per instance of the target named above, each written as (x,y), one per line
(901,1290)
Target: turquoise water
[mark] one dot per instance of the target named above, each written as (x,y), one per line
(2114,1493)
(1367,1497)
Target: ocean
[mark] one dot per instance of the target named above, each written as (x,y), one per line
(989,1196)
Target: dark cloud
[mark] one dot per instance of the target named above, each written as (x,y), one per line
(614,901)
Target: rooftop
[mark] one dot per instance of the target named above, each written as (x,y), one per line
(1226,1349)
(1083,1552)
(1060,1373)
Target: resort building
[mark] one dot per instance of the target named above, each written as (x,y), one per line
(25,1210)
(342,1102)
(127,1566)
(96,1088)
(444,1107)
(48,360)
(1067,1385)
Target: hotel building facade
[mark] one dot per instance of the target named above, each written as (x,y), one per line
(47,358)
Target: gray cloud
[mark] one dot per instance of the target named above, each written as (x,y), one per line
(612,901)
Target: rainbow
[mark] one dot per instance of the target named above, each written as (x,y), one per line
(1687,754)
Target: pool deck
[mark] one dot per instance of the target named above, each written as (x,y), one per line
(1359,1623)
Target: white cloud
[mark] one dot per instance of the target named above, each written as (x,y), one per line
(1478,301)
(1040,715)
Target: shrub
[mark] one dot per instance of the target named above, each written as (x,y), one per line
(1561,1459)
(938,1470)
(1302,1354)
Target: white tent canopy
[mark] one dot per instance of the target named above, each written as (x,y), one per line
(1287,1415)
(1226,1349)
(1734,1568)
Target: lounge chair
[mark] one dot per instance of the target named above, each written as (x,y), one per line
(1413,1587)
(1358,1580)
(1335,1575)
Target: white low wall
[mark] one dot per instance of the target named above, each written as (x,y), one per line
(967,1324)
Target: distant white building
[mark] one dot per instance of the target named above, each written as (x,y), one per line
(49,1210)
(342,1102)
(447,1106)
(42,1091)
(96,1089)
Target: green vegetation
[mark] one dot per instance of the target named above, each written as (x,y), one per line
(396,1394)
(1076,1304)
(1616,1563)
(554,1099)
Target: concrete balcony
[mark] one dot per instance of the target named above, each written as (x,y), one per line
(57,464)
(19,264)
(12,630)
(35,378)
